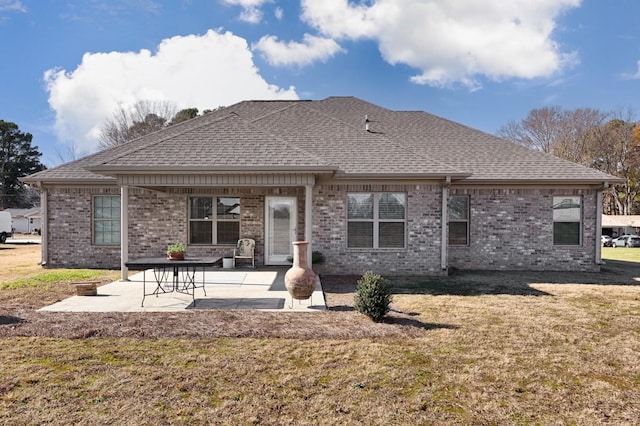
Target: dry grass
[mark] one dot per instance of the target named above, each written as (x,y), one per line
(19,261)
(474,348)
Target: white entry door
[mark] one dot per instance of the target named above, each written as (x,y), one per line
(280,229)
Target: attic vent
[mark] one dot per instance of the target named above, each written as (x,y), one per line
(366,123)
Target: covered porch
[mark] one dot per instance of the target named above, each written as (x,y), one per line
(274,209)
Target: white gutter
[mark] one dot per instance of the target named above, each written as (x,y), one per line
(44,227)
(308,220)
(444,246)
(605,185)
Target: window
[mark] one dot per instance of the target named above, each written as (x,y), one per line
(459,220)
(221,228)
(567,216)
(106,220)
(376,220)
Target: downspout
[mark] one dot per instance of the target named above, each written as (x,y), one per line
(605,185)
(124,233)
(444,246)
(44,226)
(308,220)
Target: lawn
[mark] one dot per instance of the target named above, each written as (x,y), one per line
(631,254)
(472,348)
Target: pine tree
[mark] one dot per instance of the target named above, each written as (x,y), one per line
(18,158)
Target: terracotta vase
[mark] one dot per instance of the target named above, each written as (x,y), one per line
(300,280)
(176,255)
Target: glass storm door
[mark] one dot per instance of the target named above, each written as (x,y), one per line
(280,229)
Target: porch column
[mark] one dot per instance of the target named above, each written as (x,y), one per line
(308,219)
(44,227)
(124,232)
(599,223)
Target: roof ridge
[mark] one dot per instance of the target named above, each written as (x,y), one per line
(276,111)
(279,138)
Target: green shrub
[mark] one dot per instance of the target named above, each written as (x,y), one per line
(372,296)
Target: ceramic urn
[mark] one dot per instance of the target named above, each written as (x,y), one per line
(300,280)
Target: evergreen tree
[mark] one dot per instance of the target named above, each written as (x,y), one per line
(18,158)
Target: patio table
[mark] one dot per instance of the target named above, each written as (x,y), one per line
(163,268)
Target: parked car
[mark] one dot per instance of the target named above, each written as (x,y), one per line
(606,240)
(626,241)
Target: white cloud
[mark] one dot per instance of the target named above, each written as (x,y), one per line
(634,76)
(279,13)
(205,72)
(312,49)
(251,11)
(452,42)
(12,6)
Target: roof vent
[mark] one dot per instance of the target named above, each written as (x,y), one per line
(366,123)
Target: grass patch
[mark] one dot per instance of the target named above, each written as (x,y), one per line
(630,254)
(48,278)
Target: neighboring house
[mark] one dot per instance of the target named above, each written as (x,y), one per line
(616,225)
(25,221)
(373,189)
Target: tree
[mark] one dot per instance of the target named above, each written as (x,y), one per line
(554,130)
(184,115)
(18,158)
(71,153)
(589,137)
(576,139)
(127,124)
(151,123)
(616,150)
(538,131)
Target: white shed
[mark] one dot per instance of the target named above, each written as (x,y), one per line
(25,221)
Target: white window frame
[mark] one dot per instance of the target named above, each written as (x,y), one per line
(95,220)
(558,199)
(465,221)
(213,219)
(376,221)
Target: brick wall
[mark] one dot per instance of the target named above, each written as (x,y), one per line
(513,229)
(422,254)
(69,235)
(510,229)
(156,220)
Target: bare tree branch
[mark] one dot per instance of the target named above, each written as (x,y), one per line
(143,117)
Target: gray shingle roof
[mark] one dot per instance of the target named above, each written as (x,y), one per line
(327,135)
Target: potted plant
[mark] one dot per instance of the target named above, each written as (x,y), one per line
(176,251)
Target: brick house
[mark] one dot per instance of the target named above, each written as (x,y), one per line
(397,192)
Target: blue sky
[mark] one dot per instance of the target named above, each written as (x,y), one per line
(67,65)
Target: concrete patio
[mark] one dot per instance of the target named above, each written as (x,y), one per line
(225,289)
